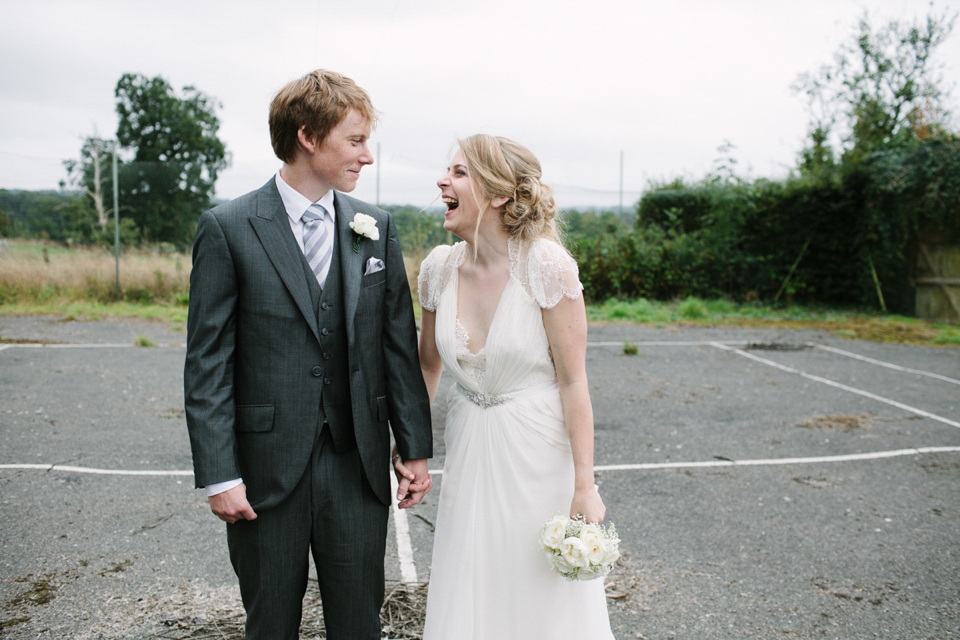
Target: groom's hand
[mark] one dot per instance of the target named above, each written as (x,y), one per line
(411,490)
(232,505)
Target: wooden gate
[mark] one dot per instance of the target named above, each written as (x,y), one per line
(938,283)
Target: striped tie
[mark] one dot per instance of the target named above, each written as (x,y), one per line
(317,241)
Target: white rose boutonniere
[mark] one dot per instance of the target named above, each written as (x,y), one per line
(577,550)
(365,227)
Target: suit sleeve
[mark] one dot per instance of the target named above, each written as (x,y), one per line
(406,393)
(208,369)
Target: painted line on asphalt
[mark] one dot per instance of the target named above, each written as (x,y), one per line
(102,472)
(92,345)
(643,466)
(667,343)
(875,455)
(861,392)
(881,363)
(408,570)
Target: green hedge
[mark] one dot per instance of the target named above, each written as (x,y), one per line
(843,229)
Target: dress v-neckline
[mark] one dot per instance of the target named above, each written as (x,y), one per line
(496,313)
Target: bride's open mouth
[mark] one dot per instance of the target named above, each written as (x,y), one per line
(451,203)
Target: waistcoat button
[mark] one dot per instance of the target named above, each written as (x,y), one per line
(317,371)
(324,331)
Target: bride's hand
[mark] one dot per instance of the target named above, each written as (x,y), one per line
(587,503)
(399,468)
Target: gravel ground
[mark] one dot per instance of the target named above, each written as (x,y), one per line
(819,548)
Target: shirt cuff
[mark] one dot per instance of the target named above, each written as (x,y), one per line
(220,487)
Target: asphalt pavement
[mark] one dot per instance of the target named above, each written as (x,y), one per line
(765,483)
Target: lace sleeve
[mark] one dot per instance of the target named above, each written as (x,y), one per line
(552,274)
(430,279)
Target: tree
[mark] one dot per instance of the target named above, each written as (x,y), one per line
(883,88)
(173,156)
(88,172)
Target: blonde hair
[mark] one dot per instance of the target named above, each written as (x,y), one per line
(318,102)
(502,168)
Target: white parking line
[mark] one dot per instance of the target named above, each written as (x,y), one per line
(666,343)
(408,569)
(93,345)
(881,363)
(861,392)
(875,455)
(403,530)
(92,470)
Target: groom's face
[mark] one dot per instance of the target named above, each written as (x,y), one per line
(337,160)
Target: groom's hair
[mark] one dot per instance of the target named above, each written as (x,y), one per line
(318,102)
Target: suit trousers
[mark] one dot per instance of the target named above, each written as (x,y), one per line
(333,513)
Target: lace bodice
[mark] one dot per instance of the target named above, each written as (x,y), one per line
(544,269)
(516,354)
(474,364)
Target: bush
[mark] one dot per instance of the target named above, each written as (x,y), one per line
(812,238)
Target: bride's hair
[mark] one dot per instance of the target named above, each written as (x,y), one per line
(502,168)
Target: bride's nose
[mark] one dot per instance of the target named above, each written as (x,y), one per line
(444,180)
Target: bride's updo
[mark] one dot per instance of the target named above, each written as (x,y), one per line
(503,168)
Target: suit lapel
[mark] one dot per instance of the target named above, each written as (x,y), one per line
(273,228)
(351,263)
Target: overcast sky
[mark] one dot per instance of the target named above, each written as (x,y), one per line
(576,81)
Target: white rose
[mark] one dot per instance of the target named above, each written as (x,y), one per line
(366,226)
(611,552)
(574,552)
(553,532)
(560,565)
(594,544)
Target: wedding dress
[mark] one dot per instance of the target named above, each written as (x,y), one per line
(508,462)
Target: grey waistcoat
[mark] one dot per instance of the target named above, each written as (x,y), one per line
(335,406)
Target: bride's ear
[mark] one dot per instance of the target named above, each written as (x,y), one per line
(499,201)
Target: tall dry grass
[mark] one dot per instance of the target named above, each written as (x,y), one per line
(88,274)
(31,273)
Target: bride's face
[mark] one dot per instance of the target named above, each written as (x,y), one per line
(459,193)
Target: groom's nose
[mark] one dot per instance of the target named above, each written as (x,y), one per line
(366,157)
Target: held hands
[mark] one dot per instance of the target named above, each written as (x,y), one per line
(413,478)
(231,505)
(587,503)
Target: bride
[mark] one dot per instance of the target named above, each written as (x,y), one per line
(503,312)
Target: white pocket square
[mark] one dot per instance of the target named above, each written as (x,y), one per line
(374,265)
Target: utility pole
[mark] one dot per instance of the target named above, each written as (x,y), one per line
(116,218)
(621,184)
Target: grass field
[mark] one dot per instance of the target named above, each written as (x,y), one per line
(40,278)
(81,284)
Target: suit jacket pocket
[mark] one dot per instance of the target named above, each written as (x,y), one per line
(254,418)
(373,279)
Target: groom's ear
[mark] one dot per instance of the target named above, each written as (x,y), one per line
(308,142)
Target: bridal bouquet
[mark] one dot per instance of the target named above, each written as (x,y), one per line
(577,550)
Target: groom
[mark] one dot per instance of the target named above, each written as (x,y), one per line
(301,346)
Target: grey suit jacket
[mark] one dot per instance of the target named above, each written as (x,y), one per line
(251,392)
